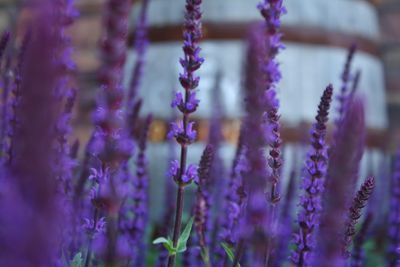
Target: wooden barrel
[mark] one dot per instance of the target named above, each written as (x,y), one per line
(318,34)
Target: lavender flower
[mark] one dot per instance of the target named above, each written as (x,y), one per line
(141,43)
(111,143)
(313,185)
(30,231)
(202,205)
(359,202)
(272,10)
(344,159)
(16,91)
(140,199)
(5,37)
(342,98)
(254,226)
(394,213)
(183,131)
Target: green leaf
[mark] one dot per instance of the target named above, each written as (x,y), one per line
(77,261)
(167,243)
(185,236)
(160,240)
(229,251)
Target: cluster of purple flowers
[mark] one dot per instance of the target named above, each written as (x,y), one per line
(58,209)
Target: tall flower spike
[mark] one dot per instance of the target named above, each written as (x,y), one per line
(111,142)
(183,131)
(16,91)
(312,184)
(5,37)
(254,230)
(29,235)
(342,97)
(141,198)
(6,84)
(344,161)
(394,213)
(202,205)
(272,10)
(141,42)
(354,214)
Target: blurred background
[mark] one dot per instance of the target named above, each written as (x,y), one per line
(317,35)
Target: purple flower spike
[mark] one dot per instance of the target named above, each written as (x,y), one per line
(313,180)
(359,202)
(394,213)
(202,205)
(344,161)
(187,103)
(272,10)
(5,37)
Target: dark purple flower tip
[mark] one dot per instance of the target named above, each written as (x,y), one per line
(183,136)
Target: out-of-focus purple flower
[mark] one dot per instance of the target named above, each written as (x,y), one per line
(359,202)
(394,213)
(137,202)
(272,10)
(5,37)
(93,227)
(233,205)
(202,204)
(16,98)
(343,166)
(343,96)
(255,179)
(141,43)
(31,229)
(313,185)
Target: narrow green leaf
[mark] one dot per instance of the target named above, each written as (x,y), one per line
(182,241)
(167,243)
(229,252)
(160,240)
(77,261)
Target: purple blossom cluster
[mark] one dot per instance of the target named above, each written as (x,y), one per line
(313,185)
(66,205)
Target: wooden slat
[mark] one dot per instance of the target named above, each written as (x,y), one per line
(238,31)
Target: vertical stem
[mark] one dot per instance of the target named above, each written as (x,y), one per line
(178,222)
(273,225)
